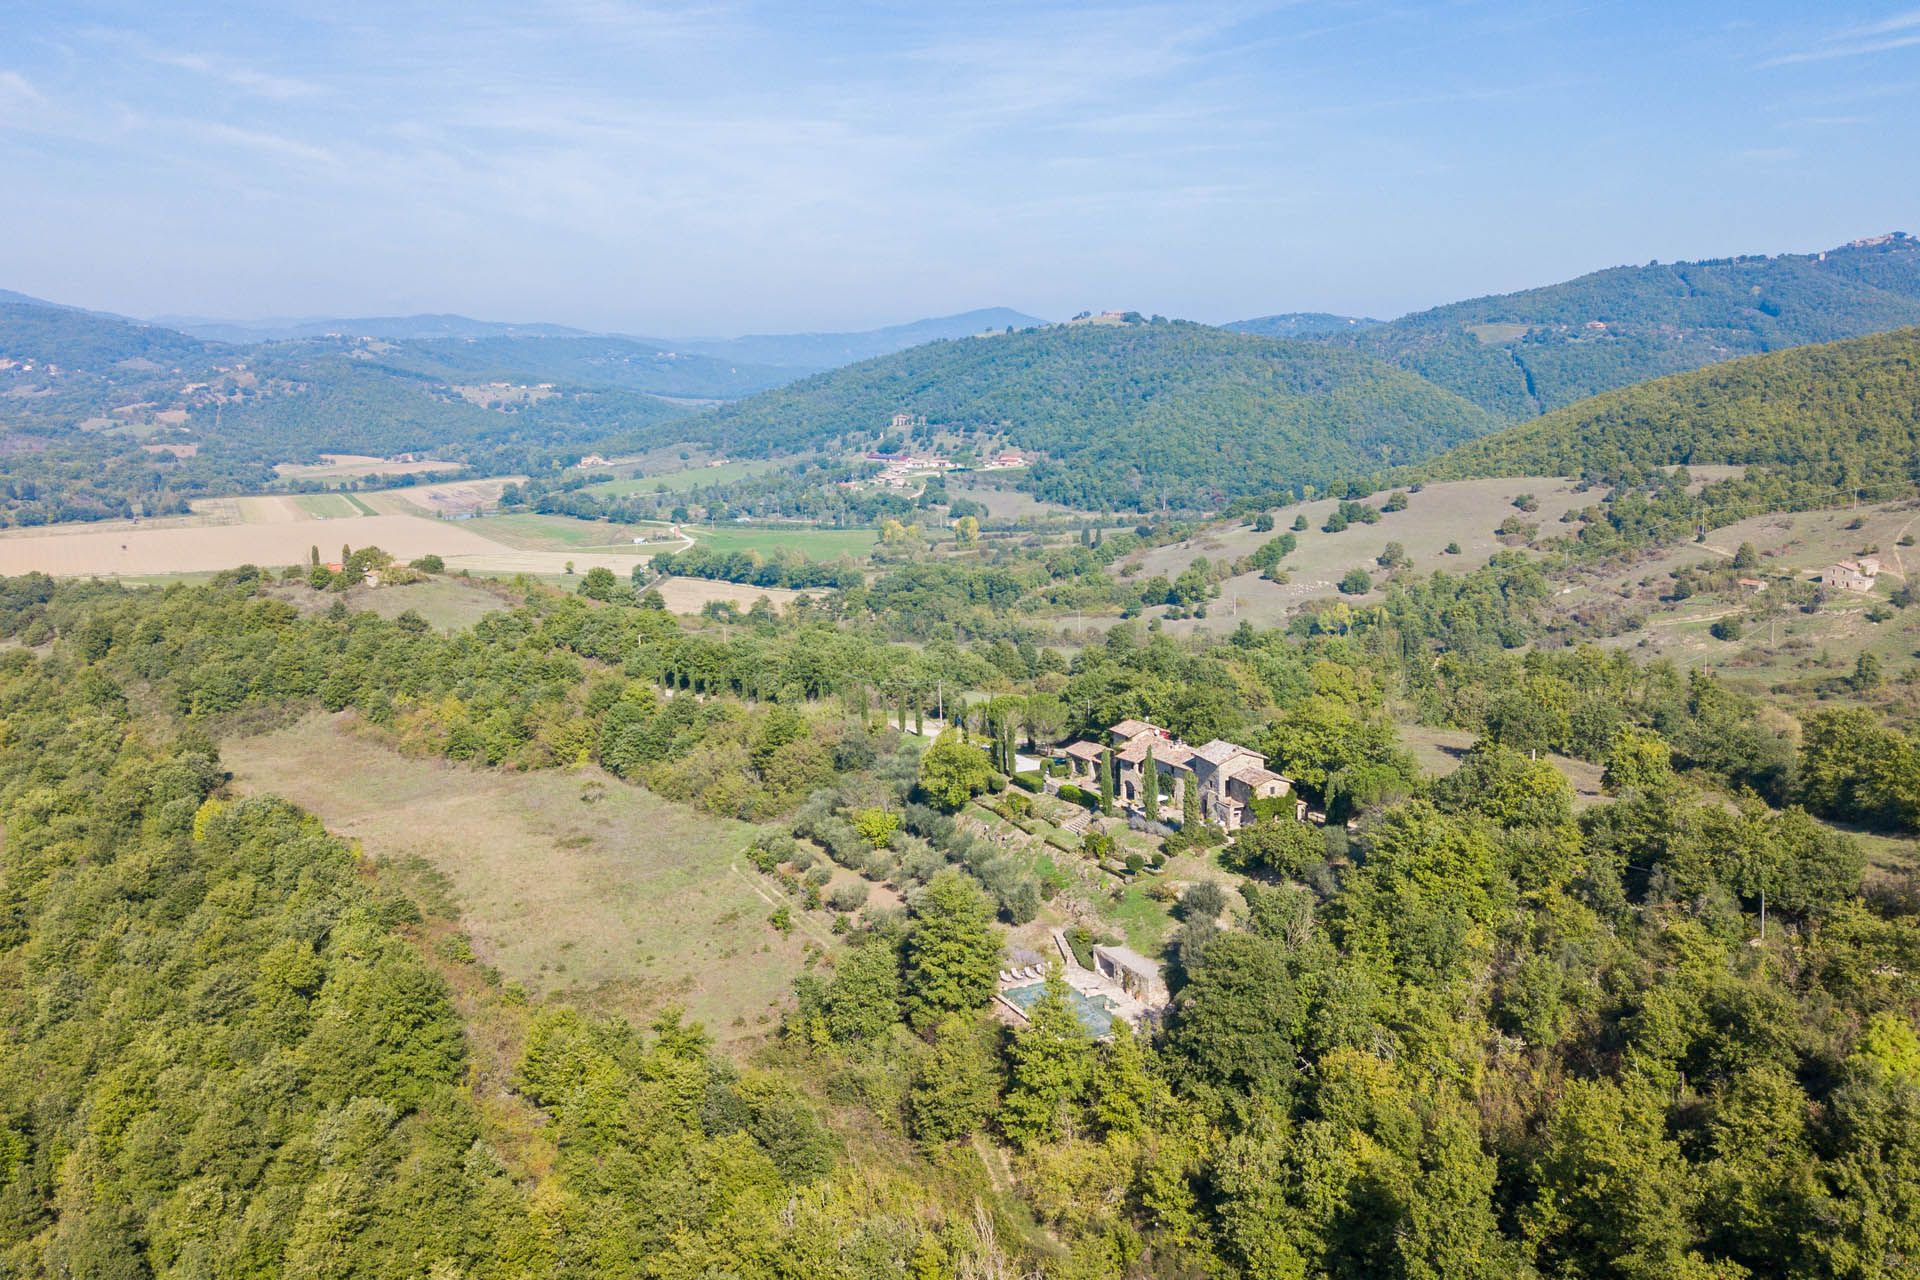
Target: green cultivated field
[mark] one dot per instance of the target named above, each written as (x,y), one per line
(815,544)
(680,481)
(332,506)
(571,883)
(531,532)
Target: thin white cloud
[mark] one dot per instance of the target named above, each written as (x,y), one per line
(259,140)
(1897,31)
(1898,22)
(225,70)
(16,91)
(266,84)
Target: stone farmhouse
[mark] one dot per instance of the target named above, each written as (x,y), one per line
(1227,777)
(1853,575)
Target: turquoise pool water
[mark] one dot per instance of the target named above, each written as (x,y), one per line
(1095,1013)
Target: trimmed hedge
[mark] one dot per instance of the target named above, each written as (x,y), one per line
(1074,795)
(1028,780)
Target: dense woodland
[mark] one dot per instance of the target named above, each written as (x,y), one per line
(1479,1034)
(1814,426)
(1135,416)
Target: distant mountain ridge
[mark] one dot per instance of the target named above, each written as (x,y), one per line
(397,328)
(1521,354)
(818,351)
(810,352)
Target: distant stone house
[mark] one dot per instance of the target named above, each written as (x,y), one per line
(1851,575)
(1226,777)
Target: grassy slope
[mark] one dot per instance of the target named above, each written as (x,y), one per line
(569,883)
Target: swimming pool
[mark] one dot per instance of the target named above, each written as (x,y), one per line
(1095,1012)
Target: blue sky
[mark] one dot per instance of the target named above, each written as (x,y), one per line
(721,167)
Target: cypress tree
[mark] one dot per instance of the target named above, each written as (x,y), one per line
(1150,786)
(1189,804)
(1106,781)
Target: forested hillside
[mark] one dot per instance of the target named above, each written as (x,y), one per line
(1300,324)
(1820,421)
(1129,416)
(88,341)
(1480,1036)
(293,402)
(626,364)
(1520,354)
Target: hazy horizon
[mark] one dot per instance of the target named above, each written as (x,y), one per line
(722,169)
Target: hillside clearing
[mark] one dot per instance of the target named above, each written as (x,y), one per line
(570,883)
(1465,512)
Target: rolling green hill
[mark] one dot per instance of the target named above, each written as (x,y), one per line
(1132,416)
(1520,354)
(83,395)
(323,397)
(1827,418)
(621,363)
(88,341)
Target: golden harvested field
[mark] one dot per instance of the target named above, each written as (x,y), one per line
(275,530)
(571,883)
(455,497)
(80,551)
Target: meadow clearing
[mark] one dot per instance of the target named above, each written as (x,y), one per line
(1464,512)
(1777,642)
(570,882)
